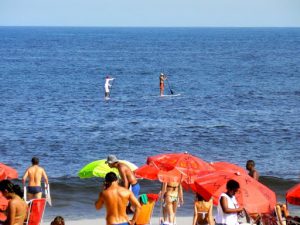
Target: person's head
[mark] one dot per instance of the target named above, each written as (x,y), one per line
(58,221)
(35,161)
(232,187)
(8,189)
(112,161)
(250,165)
(199,197)
(109,179)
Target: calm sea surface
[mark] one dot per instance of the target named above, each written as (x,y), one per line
(239,99)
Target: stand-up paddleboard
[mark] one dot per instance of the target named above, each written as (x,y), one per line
(47,194)
(25,193)
(174,95)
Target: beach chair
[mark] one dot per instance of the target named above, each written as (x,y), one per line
(293,220)
(36,208)
(145,215)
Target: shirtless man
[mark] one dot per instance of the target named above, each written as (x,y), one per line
(115,199)
(35,173)
(250,166)
(126,174)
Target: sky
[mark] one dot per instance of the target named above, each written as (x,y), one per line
(157,13)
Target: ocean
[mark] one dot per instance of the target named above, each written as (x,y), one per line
(239,99)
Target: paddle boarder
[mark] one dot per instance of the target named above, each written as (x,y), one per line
(162,79)
(108,86)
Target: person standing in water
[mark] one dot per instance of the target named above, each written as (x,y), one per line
(107,85)
(162,79)
(250,166)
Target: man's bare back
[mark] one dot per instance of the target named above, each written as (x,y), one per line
(115,198)
(35,173)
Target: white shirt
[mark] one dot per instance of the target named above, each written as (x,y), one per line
(107,85)
(227,218)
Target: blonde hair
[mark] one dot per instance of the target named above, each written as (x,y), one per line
(58,221)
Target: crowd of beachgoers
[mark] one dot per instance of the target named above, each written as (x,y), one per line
(121,197)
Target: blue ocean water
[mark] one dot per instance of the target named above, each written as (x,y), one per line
(239,99)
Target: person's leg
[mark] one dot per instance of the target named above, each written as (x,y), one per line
(169,209)
(174,206)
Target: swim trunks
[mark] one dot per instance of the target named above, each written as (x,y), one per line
(34,189)
(162,86)
(126,223)
(135,188)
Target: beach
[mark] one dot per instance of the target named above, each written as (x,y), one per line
(101,221)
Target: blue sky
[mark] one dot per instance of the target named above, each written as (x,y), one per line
(219,13)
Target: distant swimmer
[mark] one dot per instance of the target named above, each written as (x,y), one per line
(108,86)
(35,173)
(162,79)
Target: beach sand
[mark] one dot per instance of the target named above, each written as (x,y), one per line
(101,221)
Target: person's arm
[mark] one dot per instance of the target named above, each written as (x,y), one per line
(210,213)
(180,192)
(124,177)
(25,177)
(255,175)
(44,175)
(11,214)
(135,203)
(195,218)
(224,205)
(99,203)
(163,190)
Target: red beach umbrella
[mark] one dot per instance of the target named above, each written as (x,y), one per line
(182,165)
(3,206)
(293,195)
(147,172)
(177,167)
(226,166)
(252,195)
(7,172)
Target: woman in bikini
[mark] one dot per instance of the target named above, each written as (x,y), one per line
(17,207)
(203,211)
(172,196)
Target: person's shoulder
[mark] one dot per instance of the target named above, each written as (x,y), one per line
(123,190)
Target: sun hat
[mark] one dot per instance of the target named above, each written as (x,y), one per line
(111,159)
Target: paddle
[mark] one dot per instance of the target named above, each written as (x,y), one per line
(171,91)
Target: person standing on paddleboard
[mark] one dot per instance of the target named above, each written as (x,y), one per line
(162,79)
(107,85)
